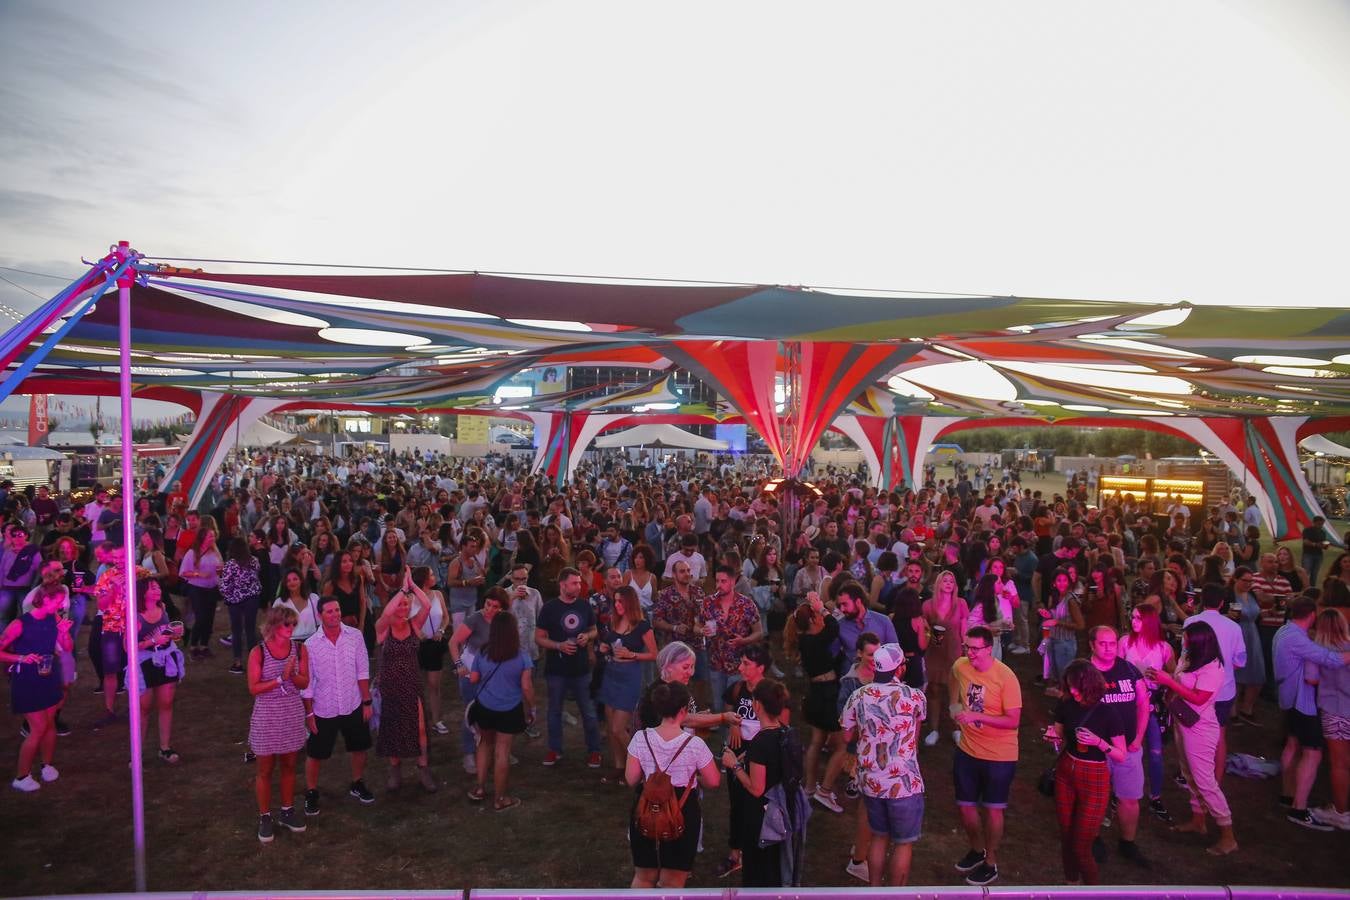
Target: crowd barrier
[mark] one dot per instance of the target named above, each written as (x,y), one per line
(918,892)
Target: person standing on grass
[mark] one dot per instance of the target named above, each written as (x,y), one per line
(1233,651)
(946,614)
(503,674)
(278,670)
(241,589)
(986,702)
(337,700)
(52,583)
(1333,702)
(885,718)
(109,592)
(741,702)
(160,663)
(566,627)
(200,569)
(1125,698)
(626,644)
(1294,650)
(403,730)
(30,646)
(468,640)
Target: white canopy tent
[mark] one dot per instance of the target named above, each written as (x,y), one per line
(1319,444)
(659,436)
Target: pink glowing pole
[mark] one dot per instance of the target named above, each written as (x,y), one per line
(126,255)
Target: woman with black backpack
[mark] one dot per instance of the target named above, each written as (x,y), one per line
(663,764)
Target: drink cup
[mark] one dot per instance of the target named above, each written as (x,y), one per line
(939,633)
(710,628)
(45,664)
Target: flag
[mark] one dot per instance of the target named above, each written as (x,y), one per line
(37,420)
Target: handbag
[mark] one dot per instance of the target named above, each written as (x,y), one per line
(1181,712)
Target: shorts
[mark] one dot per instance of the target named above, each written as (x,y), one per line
(1305,729)
(431,655)
(1335,728)
(1127,776)
(1223,711)
(355,735)
(511,721)
(981,782)
(153,676)
(677,855)
(900,819)
(112,646)
(821,706)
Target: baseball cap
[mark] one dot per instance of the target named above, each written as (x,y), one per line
(888,658)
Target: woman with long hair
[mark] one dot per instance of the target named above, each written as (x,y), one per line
(1102,604)
(241,589)
(278,670)
(1296,575)
(1165,594)
(946,614)
(466,643)
(159,662)
(554,555)
(641,575)
(279,540)
(304,603)
(1082,782)
(344,582)
(434,645)
(1064,618)
(817,639)
(391,565)
(403,730)
(987,608)
(1196,682)
(1333,706)
(503,707)
(32,646)
(201,570)
(1245,609)
(625,645)
(1144,646)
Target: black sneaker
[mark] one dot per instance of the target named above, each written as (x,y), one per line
(62,729)
(237,669)
(982,874)
(972,860)
(361,792)
(1159,809)
(1099,849)
(1305,818)
(250,757)
(1130,850)
(311,803)
(265,828)
(291,819)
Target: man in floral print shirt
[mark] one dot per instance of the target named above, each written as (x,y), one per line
(884,718)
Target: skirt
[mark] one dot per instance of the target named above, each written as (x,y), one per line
(821,706)
(677,855)
(512,721)
(621,686)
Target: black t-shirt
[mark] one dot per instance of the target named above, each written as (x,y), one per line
(1098,719)
(563,621)
(1120,697)
(817,650)
(764,750)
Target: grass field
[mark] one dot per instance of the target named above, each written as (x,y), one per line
(74,836)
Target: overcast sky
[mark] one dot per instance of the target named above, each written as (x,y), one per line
(1142,150)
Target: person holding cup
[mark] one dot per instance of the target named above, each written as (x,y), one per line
(30,643)
(159,661)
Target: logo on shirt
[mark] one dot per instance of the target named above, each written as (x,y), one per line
(975,698)
(572,622)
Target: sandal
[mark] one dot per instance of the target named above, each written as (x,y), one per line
(170,756)
(727,866)
(616,776)
(505,803)
(477,794)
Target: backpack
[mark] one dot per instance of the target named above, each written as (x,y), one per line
(658,815)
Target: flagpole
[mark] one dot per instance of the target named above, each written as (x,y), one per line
(127,278)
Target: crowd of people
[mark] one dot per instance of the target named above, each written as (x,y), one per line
(819,636)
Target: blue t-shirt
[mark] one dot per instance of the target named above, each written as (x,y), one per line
(499,683)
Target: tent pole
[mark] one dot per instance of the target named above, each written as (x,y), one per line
(124,283)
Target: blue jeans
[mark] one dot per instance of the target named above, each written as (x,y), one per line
(579,686)
(720,681)
(1153,757)
(1062,652)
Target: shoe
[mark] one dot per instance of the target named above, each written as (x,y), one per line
(858,870)
(428,782)
(931,740)
(1159,809)
(250,756)
(237,669)
(226,641)
(594,761)
(49,773)
(471,764)
(62,729)
(1305,818)
(23,730)
(826,799)
(170,756)
(1099,850)
(106,719)
(533,733)
(311,803)
(727,866)
(1130,850)
(982,874)
(851,789)
(265,828)
(956,736)
(1180,781)
(1020,650)
(1330,816)
(441,728)
(971,861)
(361,792)
(27,784)
(551,758)
(514,760)
(395,779)
(569,718)
(292,820)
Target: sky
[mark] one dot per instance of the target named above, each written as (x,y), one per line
(1147,150)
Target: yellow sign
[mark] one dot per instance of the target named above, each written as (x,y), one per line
(472,429)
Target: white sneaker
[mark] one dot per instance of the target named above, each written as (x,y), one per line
(858,870)
(1021,650)
(441,728)
(49,774)
(931,740)
(826,799)
(569,718)
(1328,815)
(471,765)
(956,736)
(25,784)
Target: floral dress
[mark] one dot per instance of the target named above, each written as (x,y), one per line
(400,696)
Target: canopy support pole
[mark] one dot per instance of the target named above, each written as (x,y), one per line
(125,280)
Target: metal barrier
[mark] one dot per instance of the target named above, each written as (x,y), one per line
(918,892)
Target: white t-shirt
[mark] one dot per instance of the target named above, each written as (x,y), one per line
(685,766)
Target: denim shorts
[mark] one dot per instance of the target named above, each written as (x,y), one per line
(981,782)
(900,819)
(1127,776)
